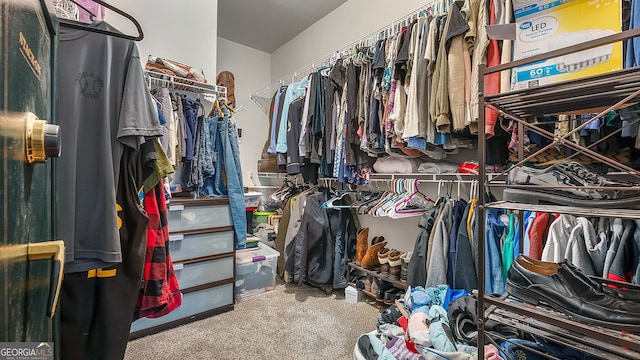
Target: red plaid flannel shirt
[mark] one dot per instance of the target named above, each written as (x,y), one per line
(160,293)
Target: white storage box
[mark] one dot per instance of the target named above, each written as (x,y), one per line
(252,199)
(352,295)
(255,270)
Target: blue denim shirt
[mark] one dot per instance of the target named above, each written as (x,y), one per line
(294,91)
(528,220)
(274,121)
(493,281)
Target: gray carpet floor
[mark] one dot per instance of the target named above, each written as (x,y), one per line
(290,322)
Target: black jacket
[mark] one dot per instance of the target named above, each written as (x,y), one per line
(313,256)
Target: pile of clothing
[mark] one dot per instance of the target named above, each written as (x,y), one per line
(441,323)
(174,68)
(418,327)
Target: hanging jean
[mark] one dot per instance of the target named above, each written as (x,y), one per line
(212,183)
(199,144)
(190,108)
(230,156)
(344,241)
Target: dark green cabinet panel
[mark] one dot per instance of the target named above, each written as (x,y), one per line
(26,44)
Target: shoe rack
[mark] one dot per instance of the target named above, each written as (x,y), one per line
(597,94)
(380,276)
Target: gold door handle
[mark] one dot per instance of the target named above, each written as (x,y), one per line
(53,250)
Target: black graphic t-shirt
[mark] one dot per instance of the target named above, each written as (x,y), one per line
(103,106)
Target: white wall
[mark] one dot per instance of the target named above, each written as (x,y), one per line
(188,35)
(252,69)
(347,24)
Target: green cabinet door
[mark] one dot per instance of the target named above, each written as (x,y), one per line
(30,262)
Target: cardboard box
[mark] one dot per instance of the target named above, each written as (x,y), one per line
(543,26)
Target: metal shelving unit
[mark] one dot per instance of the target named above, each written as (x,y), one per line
(577,211)
(598,94)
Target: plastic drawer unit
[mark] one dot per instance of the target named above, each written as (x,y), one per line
(204,272)
(184,247)
(188,215)
(202,247)
(195,305)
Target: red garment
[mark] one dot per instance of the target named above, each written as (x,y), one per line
(537,234)
(469,167)
(492,81)
(404,324)
(160,293)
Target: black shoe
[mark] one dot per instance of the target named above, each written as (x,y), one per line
(570,174)
(560,289)
(628,295)
(383,287)
(391,296)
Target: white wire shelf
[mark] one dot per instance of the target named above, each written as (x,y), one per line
(182,84)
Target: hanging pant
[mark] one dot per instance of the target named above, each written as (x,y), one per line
(230,152)
(212,183)
(190,108)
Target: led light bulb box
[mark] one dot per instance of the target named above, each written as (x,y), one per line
(547,25)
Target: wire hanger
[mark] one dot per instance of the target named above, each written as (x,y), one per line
(214,108)
(82,26)
(424,204)
(223,102)
(474,190)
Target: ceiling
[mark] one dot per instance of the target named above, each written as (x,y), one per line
(268,24)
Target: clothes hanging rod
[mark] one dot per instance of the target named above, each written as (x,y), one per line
(433,180)
(284,80)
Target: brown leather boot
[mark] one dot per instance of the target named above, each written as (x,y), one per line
(395,261)
(383,259)
(370,259)
(361,244)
